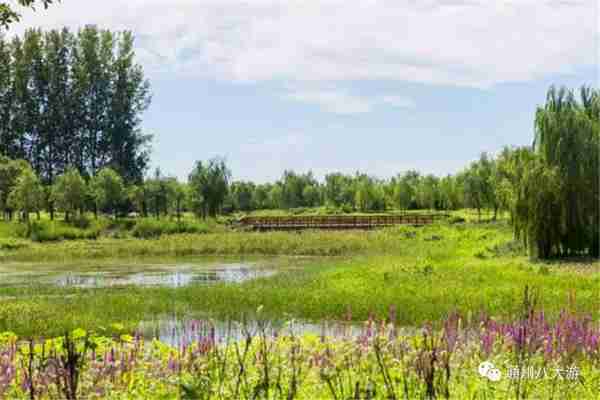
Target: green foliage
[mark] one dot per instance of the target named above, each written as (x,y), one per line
(553,191)
(52,231)
(107,189)
(28,194)
(479,182)
(69,192)
(149,228)
(241,196)
(9,173)
(209,185)
(76,99)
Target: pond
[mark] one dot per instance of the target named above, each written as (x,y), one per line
(178,331)
(166,273)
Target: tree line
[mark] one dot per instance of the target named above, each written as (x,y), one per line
(73,100)
(23,193)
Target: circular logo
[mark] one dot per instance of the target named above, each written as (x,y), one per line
(488,370)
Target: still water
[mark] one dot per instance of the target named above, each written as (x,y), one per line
(173,274)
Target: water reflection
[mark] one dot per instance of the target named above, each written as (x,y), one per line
(180,331)
(168,279)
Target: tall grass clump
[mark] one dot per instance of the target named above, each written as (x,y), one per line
(150,228)
(52,231)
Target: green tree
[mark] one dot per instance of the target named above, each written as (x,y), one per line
(28,194)
(127,147)
(293,185)
(209,185)
(242,198)
(69,192)
(539,210)
(276,197)
(311,196)
(139,196)
(479,185)
(74,100)
(567,142)
(179,194)
(338,190)
(10,170)
(512,165)
(260,196)
(405,188)
(108,190)
(427,192)
(450,191)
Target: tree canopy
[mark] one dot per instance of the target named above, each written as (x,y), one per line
(8,14)
(73,100)
(209,185)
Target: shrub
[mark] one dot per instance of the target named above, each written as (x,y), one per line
(151,228)
(51,231)
(81,222)
(12,244)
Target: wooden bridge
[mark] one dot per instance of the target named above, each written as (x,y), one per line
(337,221)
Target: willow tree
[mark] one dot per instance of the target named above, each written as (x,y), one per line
(559,207)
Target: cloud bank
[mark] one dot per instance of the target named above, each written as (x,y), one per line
(472,43)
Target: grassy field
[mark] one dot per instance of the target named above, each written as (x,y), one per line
(426,273)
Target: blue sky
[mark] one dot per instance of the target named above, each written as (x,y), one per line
(377,86)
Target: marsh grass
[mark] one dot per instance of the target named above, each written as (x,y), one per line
(397,240)
(423,279)
(425,273)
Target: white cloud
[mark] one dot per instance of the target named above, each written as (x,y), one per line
(398,101)
(340,102)
(455,42)
(335,102)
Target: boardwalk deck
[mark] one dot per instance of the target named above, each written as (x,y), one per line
(337,221)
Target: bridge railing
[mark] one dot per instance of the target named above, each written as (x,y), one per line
(337,221)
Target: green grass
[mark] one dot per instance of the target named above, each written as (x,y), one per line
(87,227)
(151,228)
(426,273)
(312,243)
